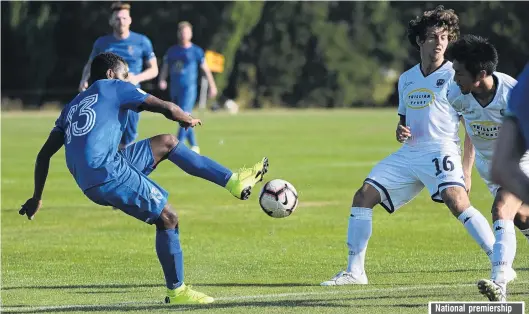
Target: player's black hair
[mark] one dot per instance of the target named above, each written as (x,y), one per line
(102,63)
(476,53)
(438,17)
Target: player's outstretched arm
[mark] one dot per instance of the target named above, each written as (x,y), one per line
(42,165)
(506,161)
(170,110)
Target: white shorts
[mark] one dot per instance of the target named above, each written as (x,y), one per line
(483,167)
(403,174)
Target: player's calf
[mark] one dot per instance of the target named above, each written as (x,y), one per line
(456,199)
(521,220)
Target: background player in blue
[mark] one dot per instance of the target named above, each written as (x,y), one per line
(513,141)
(90,128)
(137,51)
(182,61)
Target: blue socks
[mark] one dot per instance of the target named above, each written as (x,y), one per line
(170,255)
(198,165)
(188,134)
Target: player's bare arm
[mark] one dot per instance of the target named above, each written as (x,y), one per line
(162,78)
(150,72)
(403,132)
(211,81)
(170,110)
(506,161)
(469,156)
(54,142)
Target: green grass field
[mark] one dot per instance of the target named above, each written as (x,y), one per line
(80,257)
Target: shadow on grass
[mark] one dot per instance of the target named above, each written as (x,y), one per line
(307,303)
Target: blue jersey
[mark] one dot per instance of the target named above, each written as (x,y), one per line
(183,65)
(518,106)
(135,49)
(93,123)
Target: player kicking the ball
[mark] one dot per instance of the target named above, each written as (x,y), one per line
(430,155)
(480,96)
(90,128)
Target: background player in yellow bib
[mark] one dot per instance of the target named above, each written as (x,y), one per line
(480,95)
(430,156)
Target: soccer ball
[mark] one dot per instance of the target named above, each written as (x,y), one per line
(278,198)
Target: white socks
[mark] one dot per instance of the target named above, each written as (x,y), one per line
(478,227)
(504,248)
(358,234)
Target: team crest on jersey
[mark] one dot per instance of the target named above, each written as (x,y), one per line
(487,130)
(420,98)
(131,50)
(440,82)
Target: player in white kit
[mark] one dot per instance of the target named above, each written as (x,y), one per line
(480,95)
(431,154)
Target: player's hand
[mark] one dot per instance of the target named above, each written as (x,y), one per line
(468,183)
(212,92)
(191,124)
(402,133)
(83,86)
(162,85)
(30,208)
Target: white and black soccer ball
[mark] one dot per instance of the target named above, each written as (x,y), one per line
(278,198)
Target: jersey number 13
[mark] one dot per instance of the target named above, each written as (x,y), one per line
(82,109)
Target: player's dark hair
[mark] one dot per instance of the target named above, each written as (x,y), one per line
(118,6)
(102,63)
(438,17)
(476,53)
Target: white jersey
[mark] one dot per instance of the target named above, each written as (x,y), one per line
(424,102)
(483,123)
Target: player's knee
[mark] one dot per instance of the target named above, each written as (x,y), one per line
(168,219)
(367,196)
(505,206)
(169,142)
(456,199)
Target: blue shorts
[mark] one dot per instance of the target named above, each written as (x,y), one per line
(133,192)
(140,156)
(185,97)
(131,128)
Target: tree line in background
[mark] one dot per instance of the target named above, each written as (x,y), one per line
(291,54)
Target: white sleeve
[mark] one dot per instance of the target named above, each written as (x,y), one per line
(402,104)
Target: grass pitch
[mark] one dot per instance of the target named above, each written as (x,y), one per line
(80,257)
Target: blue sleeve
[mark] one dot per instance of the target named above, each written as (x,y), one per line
(129,96)
(60,122)
(518,105)
(200,56)
(148,52)
(96,49)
